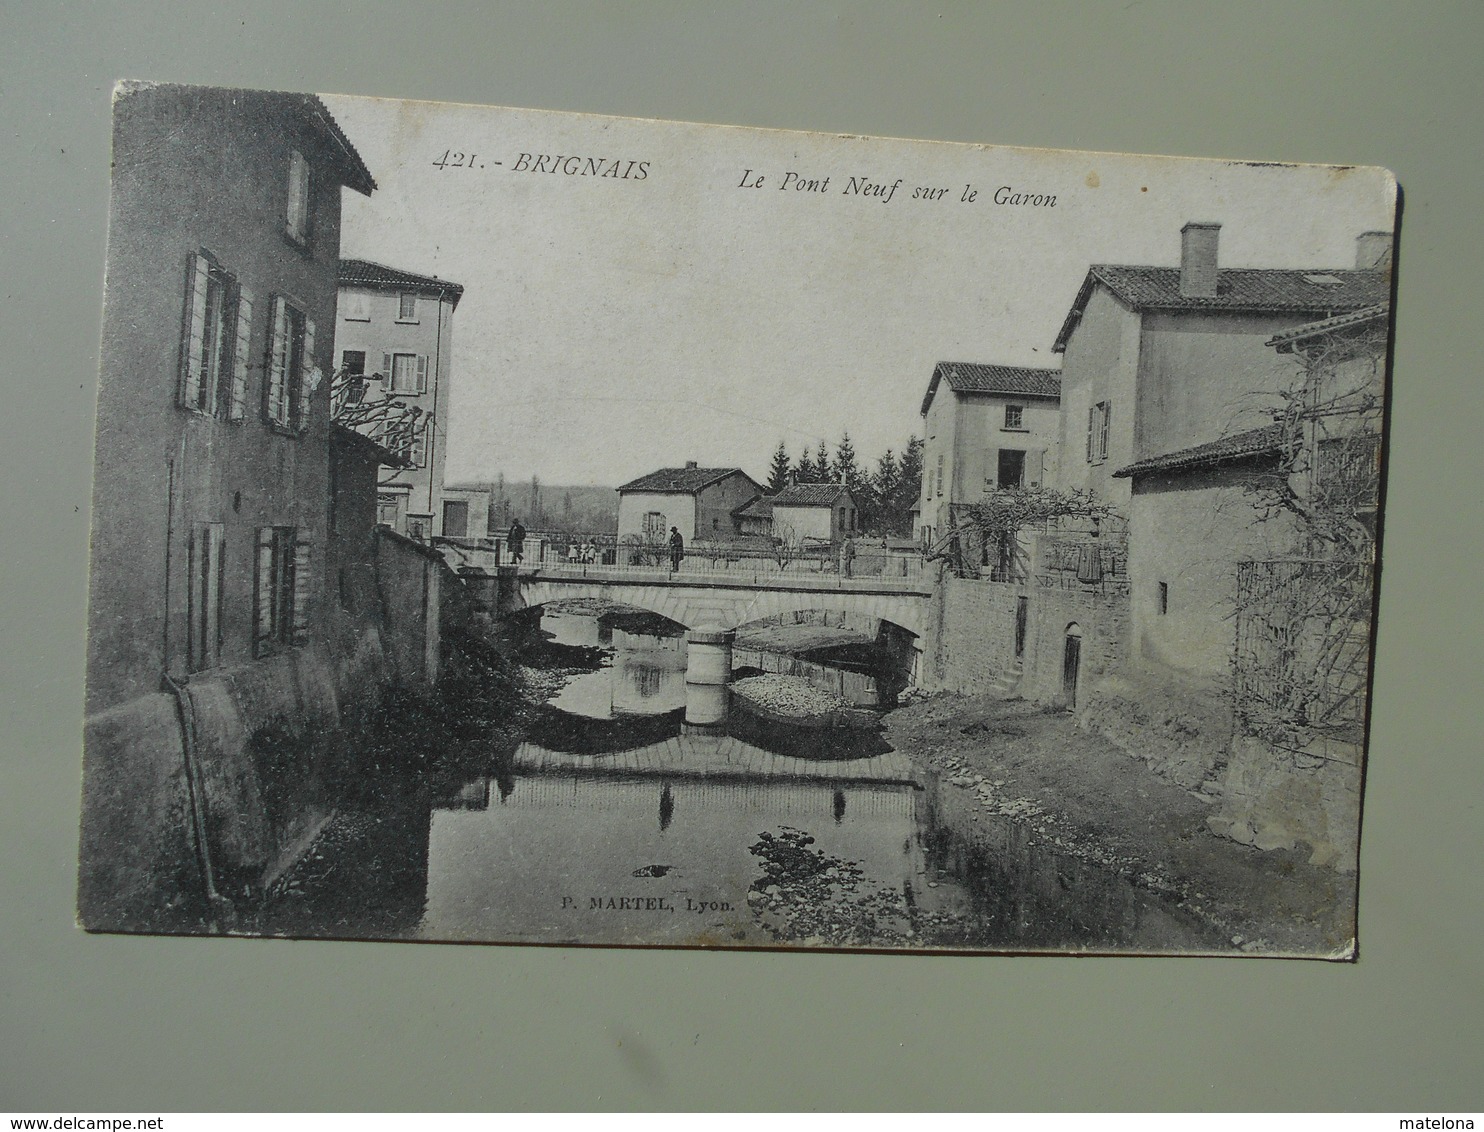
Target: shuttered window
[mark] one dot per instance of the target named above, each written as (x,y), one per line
(408,373)
(1098,417)
(276,589)
(296,220)
(217,325)
(288,389)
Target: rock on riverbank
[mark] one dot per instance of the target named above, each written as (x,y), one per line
(1084,796)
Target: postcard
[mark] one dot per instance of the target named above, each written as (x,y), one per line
(527,527)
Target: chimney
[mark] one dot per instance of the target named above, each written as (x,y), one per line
(1373,251)
(1198,259)
(690,464)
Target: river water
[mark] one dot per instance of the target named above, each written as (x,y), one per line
(618,822)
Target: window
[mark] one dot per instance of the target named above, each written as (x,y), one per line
(1014,416)
(204,610)
(296,220)
(406,308)
(1012,467)
(290,367)
(214,350)
(408,373)
(386,510)
(353,362)
(280,589)
(355,306)
(654,525)
(455,518)
(1097,431)
(1163,598)
(417,449)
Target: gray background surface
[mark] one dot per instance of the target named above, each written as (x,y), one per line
(120,1023)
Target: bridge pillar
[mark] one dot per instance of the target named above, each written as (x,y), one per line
(708,671)
(709,655)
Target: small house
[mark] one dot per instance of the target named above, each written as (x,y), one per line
(698,502)
(814,513)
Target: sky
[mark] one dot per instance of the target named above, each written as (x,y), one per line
(611,325)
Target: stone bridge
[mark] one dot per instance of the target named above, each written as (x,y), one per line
(725,600)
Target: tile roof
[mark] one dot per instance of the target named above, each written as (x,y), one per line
(759,508)
(682,481)
(1322,291)
(370,447)
(1243,445)
(357,176)
(979,377)
(365,273)
(809,495)
(1287,338)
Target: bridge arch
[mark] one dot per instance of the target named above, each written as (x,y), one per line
(726,606)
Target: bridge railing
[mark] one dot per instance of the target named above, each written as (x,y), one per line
(903,571)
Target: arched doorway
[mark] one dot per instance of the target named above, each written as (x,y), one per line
(1071,663)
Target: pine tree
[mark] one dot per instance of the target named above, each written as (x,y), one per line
(885,483)
(909,487)
(804,470)
(778,473)
(845,467)
(822,469)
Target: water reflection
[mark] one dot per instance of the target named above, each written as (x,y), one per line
(643,810)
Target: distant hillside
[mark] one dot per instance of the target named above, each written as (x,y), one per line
(542,506)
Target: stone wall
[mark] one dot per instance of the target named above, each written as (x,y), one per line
(231,766)
(972,645)
(1103,620)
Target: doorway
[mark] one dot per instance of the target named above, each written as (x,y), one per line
(1071,662)
(1022,610)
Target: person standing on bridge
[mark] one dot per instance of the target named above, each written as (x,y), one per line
(516,541)
(677,549)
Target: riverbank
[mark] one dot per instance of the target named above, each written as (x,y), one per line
(992,759)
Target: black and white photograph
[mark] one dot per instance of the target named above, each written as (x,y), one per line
(528,527)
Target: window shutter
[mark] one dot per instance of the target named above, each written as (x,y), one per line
(262,614)
(219,550)
(301,589)
(303,395)
(198,274)
(422,373)
(238,407)
(1103,438)
(278,356)
(386,370)
(298,195)
(1092,417)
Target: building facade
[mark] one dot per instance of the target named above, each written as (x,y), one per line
(1170,389)
(213,623)
(212,461)
(698,502)
(394,329)
(1160,359)
(985,427)
(814,513)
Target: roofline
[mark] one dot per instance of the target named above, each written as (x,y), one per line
(621,488)
(1189,459)
(427,283)
(360,178)
(933,382)
(384,455)
(1285,341)
(1084,293)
